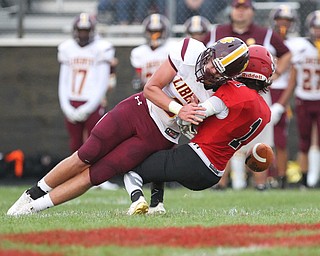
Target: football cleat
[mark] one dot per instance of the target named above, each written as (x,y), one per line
(26,209)
(159,209)
(138,207)
(23,200)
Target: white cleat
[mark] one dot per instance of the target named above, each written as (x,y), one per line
(23,200)
(159,209)
(138,207)
(108,186)
(26,209)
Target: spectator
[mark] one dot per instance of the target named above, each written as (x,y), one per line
(242,26)
(85,63)
(144,7)
(206,8)
(121,10)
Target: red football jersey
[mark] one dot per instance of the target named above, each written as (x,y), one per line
(248,114)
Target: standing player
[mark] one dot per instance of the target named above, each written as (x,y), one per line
(304,80)
(85,64)
(236,114)
(242,26)
(148,57)
(283,20)
(137,127)
(197,27)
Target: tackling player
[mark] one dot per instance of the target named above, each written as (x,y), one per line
(235,115)
(138,127)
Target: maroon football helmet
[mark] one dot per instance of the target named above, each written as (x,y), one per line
(197,25)
(156,29)
(313,22)
(84,29)
(229,56)
(284,19)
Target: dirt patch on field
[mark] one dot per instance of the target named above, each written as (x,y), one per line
(285,235)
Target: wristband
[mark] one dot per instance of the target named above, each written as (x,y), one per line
(174,107)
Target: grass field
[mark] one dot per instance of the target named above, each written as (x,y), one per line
(249,222)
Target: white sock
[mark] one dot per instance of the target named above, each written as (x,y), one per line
(132,181)
(42,203)
(314,166)
(44,186)
(238,171)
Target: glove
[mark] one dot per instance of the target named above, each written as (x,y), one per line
(69,114)
(186,128)
(80,115)
(276,112)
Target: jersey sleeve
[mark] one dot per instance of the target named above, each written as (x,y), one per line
(63,50)
(186,52)
(279,45)
(106,51)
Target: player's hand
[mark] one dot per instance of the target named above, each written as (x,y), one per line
(192,113)
(276,112)
(80,115)
(186,128)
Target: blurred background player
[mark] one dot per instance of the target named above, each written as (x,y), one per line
(284,21)
(242,25)
(147,57)
(85,64)
(304,80)
(197,27)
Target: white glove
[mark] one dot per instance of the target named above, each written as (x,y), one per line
(276,112)
(69,114)
(80,115)
(186,128)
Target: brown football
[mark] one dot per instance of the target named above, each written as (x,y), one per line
(259,157)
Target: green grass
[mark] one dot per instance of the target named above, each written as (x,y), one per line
(101,209)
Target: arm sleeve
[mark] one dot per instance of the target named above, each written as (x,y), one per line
(215,106)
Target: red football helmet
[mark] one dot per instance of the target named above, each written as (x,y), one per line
(156,29)
(84,29)
(284,19)
(312,24)
(261,64)
(229,56)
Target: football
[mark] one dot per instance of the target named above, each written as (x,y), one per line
(259,157)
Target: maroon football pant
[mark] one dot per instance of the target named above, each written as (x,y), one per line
(307,112)
(121,140)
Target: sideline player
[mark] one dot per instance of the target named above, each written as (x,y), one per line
(304,80)
(137,127)
(236,114)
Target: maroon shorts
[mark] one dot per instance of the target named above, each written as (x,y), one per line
(308,112)
(281,128)
(122,139)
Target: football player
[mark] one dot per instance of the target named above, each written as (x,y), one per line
(235,115)
(304,80)
(197,27)
(284,21)
(148,57)
(141,124)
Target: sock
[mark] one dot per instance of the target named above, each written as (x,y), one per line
(42,203)
(238,171)
(44,186)
(157,192)
(133,183)
(304,179)
(135,195)
(314,166)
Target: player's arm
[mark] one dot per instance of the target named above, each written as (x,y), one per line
(153,91)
